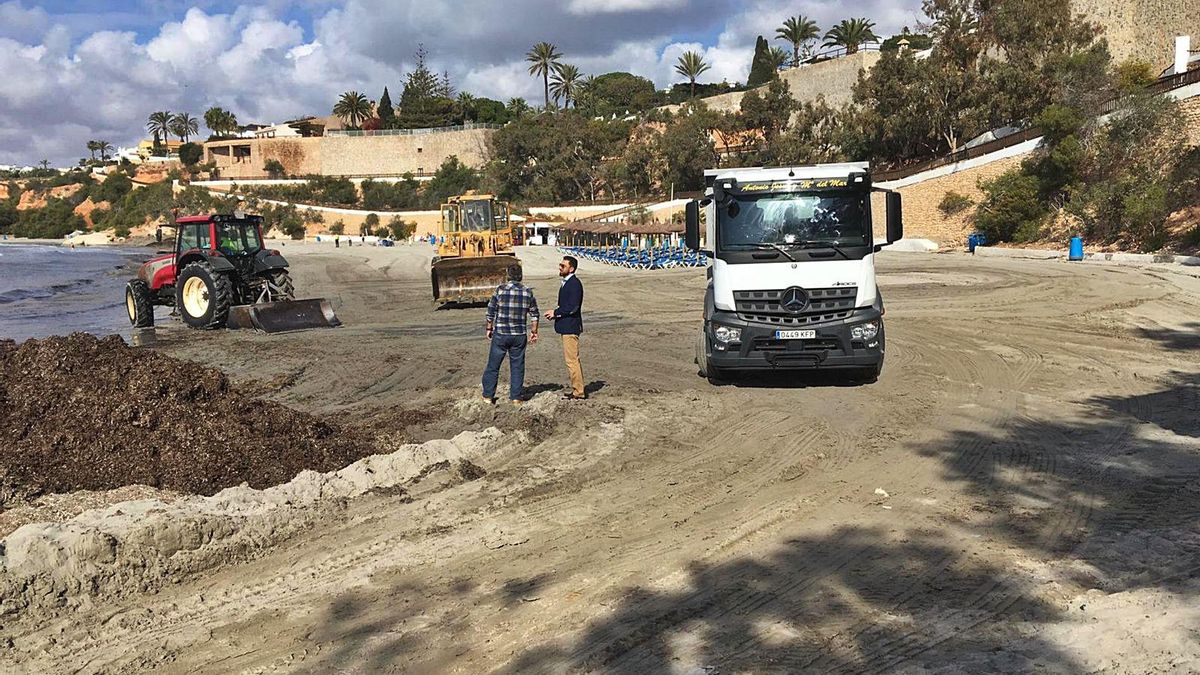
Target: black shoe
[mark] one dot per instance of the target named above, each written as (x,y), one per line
(573,397)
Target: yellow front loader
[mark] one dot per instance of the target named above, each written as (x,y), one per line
(475,249)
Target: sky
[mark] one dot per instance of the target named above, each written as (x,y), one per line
(71,72)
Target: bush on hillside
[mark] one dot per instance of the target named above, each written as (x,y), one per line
(274,168)
(380,196)
(400,229)
(954,203)
(53,221)
(8,217)
(1010,210)
(191,154)
(111,189)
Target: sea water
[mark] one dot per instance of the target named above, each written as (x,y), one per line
(55,290)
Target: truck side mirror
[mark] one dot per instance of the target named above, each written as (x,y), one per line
(895,218)
(691,232)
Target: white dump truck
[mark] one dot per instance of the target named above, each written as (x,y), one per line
(791,276)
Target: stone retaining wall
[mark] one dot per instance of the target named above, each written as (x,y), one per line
(1144,29)
(833,79)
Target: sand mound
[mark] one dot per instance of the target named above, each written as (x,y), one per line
(79,412)
(135,546)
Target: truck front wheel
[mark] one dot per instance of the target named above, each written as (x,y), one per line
(712,373)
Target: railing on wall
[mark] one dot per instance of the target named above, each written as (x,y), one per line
(1159,86)
(962,155)
(409,132)
(1169,82)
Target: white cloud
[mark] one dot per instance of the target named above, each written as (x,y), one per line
(62,89)
(20,23)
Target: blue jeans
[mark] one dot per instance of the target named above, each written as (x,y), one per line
(514,347)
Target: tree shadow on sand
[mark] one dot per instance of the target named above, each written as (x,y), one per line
(1104,493)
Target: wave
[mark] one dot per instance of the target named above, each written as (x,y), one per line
(42,293)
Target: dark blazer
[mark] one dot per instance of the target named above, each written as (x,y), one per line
(568,316)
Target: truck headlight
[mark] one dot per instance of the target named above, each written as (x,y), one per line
(870,330)
(727,333)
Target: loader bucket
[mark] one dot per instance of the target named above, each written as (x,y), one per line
(278,317)
(470,279)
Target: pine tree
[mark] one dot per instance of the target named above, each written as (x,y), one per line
(420,86)
(761,71)
(385,111)
(445,87)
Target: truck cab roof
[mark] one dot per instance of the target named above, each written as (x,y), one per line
(758,173)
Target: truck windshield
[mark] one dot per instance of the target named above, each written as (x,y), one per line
(238,238)
(793,220)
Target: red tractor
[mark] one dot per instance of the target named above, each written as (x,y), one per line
(220,275)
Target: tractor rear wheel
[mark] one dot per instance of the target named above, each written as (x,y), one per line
(203,296)
(138,304)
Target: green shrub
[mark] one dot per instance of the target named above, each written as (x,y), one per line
(191,154)
(274,168)
(53,221)
(1011,209)
(401,229)
(111,189)
(954,203)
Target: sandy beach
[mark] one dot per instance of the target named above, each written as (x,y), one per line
(1017,493)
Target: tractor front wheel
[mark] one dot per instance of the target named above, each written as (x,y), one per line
(138,304)
(203,296)
(281,286)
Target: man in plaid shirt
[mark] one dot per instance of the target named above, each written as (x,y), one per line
(510,308)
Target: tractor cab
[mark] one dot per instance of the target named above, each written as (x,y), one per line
(219,234)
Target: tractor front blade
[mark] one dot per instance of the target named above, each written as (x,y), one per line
(286,315)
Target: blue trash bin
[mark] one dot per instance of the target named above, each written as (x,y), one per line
(1076,250)
(976,239)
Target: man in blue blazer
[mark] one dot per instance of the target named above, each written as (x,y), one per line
(568,322)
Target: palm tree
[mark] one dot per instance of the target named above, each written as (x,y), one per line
(851,33)
(184,125)
(586,93)
(691,65)
(45,164)
(517,107)
(91,146)
(800,31)
(777,57)
(543,57)
(465,103)
(159,124)
(352,108)
(104,147)
(221,121)
(565,83)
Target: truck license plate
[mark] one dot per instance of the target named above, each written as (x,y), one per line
(795,334)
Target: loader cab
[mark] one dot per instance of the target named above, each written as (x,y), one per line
(482,215)
(474,225)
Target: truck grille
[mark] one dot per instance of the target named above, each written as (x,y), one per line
(824,304)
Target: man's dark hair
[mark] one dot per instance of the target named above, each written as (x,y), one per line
(572,261)
(514,273)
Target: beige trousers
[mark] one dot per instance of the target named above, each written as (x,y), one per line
(571,356)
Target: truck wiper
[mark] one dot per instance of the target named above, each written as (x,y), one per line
(777,247)
(822,244)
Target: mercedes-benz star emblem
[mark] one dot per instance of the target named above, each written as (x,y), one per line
(794,300)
